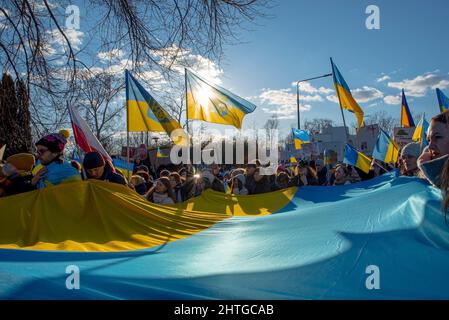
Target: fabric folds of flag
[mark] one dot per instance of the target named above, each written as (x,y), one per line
(300,137)
(214,104)
(356,158)
(386,149)
(84,137)
(443,100)
(406,116)
(344,94)
(420,134)
(146,114)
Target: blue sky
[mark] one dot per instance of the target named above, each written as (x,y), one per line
(409,51)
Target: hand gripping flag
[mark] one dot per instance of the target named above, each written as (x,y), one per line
(214,104)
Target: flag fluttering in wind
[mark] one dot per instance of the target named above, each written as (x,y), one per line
(344,95)
(406,116)
(443,100)
(145,113)
(214,104)
(300,137)
(356,158)
(386,149)
(84,137)
(420,134)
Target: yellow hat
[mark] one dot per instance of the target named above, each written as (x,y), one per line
(23,162)
(65,133)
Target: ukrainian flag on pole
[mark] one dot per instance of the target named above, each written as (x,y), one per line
(344,95)
(420,134)
(386,149)
(214,104)
(356,158)
(144,113)
(300,137)
(443,100)
(406,117)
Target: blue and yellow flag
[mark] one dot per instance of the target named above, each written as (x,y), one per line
(406,117)
(420,134)
(344,95)
(214,104)
(356,158)
(443,100)
(300,137)
(159,154)
(144,112)
(386,149)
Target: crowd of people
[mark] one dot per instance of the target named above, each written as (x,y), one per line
(173,184)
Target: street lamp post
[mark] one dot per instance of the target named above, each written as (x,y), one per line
(297,93)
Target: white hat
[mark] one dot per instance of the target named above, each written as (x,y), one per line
(412,149)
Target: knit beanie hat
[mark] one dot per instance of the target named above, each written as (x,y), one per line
(93,160)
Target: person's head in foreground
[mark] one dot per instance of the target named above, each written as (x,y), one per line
(98,169)
(341,175)
(433,162)
(50,148)
(94,165)
(409,157)
(435,155)
(161,192)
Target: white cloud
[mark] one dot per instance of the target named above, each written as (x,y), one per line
(177,59)
(383,78)
(419,86)
(58,42)
(107,56)
(366,94)
(285,102)
(333,98)
(393,100)
(308,88)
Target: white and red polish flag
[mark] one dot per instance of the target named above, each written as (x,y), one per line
(84,136)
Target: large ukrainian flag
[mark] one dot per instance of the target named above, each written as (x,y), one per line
(386,149)
(356,158)
(406,116)
(214,104)
(344,95)
(443,100)
(144,112)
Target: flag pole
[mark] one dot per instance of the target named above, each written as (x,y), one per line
(297,93)
(339,100)
(127,126)
(187,111)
